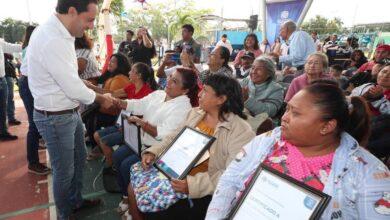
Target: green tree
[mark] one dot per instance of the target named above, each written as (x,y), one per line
(323,25)
(13,30)
(161,20)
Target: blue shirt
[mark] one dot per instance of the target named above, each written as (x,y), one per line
(358,183)
(301,45)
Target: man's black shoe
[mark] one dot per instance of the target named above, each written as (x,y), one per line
(14,122)
(88,203)
(8,137)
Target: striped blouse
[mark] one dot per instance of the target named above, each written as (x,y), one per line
(91,70)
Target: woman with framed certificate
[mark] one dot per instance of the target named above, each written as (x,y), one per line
(309,168)
(220,114)
(163,111)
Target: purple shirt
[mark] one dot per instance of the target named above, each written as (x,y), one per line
(299,83)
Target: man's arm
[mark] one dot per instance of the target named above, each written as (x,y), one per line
(10,48)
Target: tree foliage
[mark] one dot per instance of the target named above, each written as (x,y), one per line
(323,25)
(161,20)
(13,30)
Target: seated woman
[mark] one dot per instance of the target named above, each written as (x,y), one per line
(218,63)
(115,78)
(315,68)
(379,95)
(86,60)
(261,93)
(220,114)
(163,111)
(324,155)
(142,84)
(251,44)
(356,60)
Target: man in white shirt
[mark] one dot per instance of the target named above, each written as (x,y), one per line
(5,48)
(58,91)
(225,43)
(300,43)
(317,41)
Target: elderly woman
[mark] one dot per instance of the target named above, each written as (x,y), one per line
(220,114)
(261,93)
(315,68)
(325,155)
(218,64)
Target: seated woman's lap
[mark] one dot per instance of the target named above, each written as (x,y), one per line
(182,210)
(112,139)
(107,131)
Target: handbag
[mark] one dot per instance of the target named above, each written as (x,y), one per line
(153,191)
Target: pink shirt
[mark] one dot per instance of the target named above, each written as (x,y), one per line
(287,159)
(237,60)
(297,84)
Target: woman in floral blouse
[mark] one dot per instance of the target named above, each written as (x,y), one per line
(317,144)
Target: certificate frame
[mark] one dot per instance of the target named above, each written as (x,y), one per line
(317,211)
(139,143)
(181,176)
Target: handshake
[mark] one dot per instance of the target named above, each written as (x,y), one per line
(108,101)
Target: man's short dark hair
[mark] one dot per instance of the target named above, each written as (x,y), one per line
(314,32)
(224,35)
(80,5)
(337,67)
(188,27)
(130,32)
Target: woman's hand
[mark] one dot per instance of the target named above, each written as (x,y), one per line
(180,186)
(147,160)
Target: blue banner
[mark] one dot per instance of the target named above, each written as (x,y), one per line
(278,13)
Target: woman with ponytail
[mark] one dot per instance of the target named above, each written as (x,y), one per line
(318,145)
(220,114)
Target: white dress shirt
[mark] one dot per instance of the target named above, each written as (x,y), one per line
(7,48)
(301,45)
(52,69)
(226,44)
(166,115)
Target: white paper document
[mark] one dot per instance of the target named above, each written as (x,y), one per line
(119,120)
(130,133)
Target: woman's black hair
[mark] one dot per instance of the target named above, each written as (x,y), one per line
(147,74)
(190,82)
(361,61)
(353,118)
(360,78)
(27,35)
(378,143)
(229,87)
(225,55)
(123,68)
(256,46)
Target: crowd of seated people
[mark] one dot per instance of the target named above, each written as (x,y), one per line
(320,124)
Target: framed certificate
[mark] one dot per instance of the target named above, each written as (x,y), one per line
(273,195)
(177,160)
(131,135)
